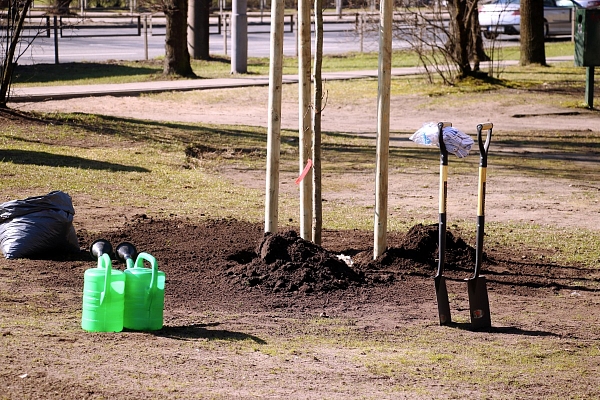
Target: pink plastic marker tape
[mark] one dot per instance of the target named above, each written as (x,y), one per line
(304,172)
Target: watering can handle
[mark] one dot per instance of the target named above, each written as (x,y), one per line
(139,263)
(105,262)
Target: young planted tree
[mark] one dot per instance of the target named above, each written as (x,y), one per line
(10,42)
(317,214)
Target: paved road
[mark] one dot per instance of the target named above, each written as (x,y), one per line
(43,93)
(338,39)
(88,40)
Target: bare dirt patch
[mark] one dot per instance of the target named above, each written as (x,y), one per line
(227,282)
(533,110)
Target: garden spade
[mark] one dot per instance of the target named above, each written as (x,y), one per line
(479,305)
(440,281)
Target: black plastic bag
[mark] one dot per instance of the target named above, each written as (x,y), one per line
(37,227)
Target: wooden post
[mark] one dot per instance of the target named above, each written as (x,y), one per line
(383,126)
(274,123)
(304,117)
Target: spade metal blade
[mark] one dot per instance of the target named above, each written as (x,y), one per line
(479,305)
(442,300)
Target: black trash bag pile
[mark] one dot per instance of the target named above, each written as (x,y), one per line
(38,227)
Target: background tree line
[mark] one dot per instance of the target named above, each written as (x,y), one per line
(461,47)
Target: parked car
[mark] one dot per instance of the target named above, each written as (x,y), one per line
(504,17)
(586,3)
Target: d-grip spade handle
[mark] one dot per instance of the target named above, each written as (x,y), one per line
(443,151)
(483,155)
(484,147)
(443,196)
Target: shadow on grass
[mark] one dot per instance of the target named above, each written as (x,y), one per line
(202,331)
(558,152)
(43,158)
(43,73)
(506,330)
(159,131)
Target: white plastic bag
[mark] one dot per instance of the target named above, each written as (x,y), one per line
(457,142)
(426,135)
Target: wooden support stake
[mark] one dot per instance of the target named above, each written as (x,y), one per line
(383,127)
(274,123)
(304,117)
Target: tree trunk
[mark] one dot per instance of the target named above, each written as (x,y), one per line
(9,62)
(532,32)
(204,9)
(316,142)
(61,7)
(461,32)
(198,29)
(177,56)
(476,42)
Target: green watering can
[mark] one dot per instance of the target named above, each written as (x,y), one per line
(144,294)
(103,297)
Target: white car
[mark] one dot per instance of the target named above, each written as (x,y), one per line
(587,3)
(504,17)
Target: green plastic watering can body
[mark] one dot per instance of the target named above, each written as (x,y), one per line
(144,295)
(103,297)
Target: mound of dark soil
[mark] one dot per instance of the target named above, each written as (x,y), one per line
(286,262)
(417,254)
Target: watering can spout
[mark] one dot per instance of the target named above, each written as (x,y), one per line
(100,247)
(127,252)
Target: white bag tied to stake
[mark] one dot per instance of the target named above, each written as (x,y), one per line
(457,142)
